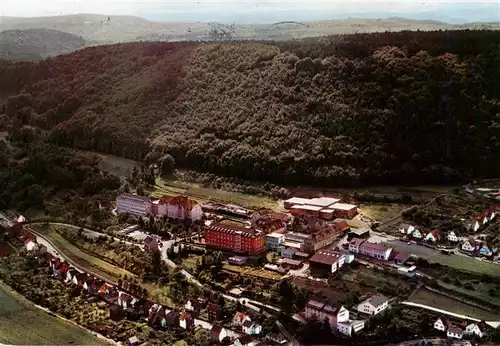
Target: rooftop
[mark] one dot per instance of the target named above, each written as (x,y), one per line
(325,257)
(343,206)
(307,207)
(275,235)
(323,201)
(374,246)
(378,300)
(297,200)
(291,262)
(360,231)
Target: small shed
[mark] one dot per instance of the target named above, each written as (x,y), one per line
(237,260)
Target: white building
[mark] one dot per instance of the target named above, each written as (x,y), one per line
(452,237)
(274,240)
(374,305)
(469,245)
(133,205)
(350,327)
(455,332)
(474,329)
(441,324)
(179,208)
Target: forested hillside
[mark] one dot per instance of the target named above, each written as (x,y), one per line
(409,107)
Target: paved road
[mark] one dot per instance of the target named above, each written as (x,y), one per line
(287,334)
(433,341)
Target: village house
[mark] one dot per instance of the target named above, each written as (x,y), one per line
(239,318)
(218,333)
(29,244)
(469,245)
(350,327)
(251,328)
(288,252)
(452,237)
(321,310)
(245,340)
(433,236)
(476,329)
(116,313)
(417,234)
(485,250)
(475,224)
(406,228)
(70,275)
(186,321)
(192,305)
(455,332)
(125,300)
(442,324)
(214,312)
(400,257)
(374,305)
(326,261)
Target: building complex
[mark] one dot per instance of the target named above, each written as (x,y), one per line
(322,207)
(235,238)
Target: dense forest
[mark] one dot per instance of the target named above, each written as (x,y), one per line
(405,108)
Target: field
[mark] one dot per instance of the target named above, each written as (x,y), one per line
(453,261)
(253,272)
(426,297)
(480,292)
(123,167)
(23,323)
(382,212)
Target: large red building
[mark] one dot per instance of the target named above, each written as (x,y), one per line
(234,238)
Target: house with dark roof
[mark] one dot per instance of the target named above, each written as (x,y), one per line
(455,332)
(251,328)
(214,312)
(116,313)
(374,305)
(478,330)
(151,244)
(326,261)
(180,208)
(239,318)
(125,300)
(192,305)
(320,309)
(374,250)
(186,321)
(218,333)
(433,236)
(245,340)
(400,257)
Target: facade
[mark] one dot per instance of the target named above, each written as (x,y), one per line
(485,251)
(433,236)
(373,250)
(239,318)
(441,324)
(288,253)
(305,210)
(455,332)
(269,223)
(179,208)
(452,237)
(469,245)
(344,210)
(474,329)
(289,203)
(374,305)
(417,234)
(218,333)
(321,310)
(327,261)
(350,327)
(186,321)
(274,240)
(251,328)
(233,238)
(133,205)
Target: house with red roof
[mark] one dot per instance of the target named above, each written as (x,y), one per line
(186,321)
(327,261)
(455,332)
(180,208)
(239,318)
(321,310)
(433,236)
(469,245)
(442,324)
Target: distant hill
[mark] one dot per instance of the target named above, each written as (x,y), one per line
(36,44)
(384,108)
(101,29)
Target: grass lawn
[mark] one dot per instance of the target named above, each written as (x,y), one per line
(435,300)
(236,269)
(382,212)
(22,323)
(453,261)
(117,165)
(191,262)
(480,292)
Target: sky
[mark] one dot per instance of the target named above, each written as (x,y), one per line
(256,10)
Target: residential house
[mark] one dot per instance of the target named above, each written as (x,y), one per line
(70,274)
(91,285)
(214,312)
(469,245)
(157,316)
(239,318)
(63,271)
(485,250)
(406,228)
(107,290)
(374,305)
(251,328)
(493,213)
(192,305)
(350,327)
(125,300)
(452,237)
(417,234)
(186,321)
(327,261)
(79,279)
(321,310)
(151,244)
(133,341)
(218,333)
(172,318)
(475,224)
(29,244)
(274,240)
(476,329)
(288,253)
(442,324)
(433,236)
(375,250)
(400,257)
(245,340)
(455,332)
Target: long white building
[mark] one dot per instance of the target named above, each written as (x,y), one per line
(133,205)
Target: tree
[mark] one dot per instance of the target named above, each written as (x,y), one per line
(167,165)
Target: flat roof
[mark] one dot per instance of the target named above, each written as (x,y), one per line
(307,207)
(291,262)
(359,230)
(323,201)
(343,206)
(292,245)
(297,200)
(275,235)
(329,211)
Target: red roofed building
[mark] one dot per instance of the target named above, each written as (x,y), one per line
(327,260)
(373,250)
(320,309)
(433,236)
(233,238)
(179,208)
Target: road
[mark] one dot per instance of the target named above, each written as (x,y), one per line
(287,334)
